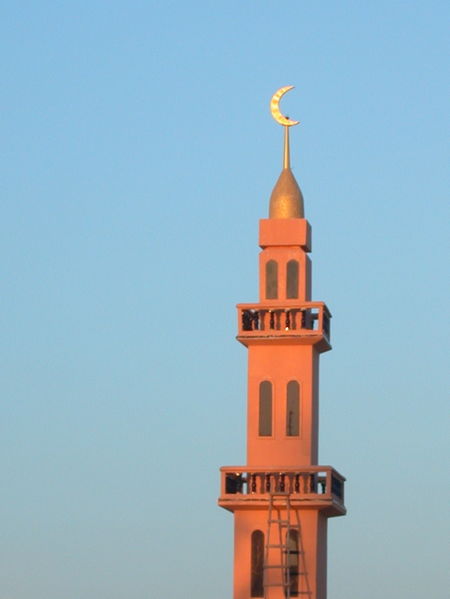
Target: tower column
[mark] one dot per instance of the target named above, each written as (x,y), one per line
(282,498)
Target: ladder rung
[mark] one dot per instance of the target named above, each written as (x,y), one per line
(275,566)
(276,545)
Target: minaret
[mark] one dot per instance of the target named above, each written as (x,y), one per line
(282,498)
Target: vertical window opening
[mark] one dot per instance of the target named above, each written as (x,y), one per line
(292,555)
(271,280)
(257,564)
(293,409)
(265,409)
(292,279)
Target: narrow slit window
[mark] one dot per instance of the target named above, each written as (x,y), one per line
(265,409)
(292,559)
(292,279)
(271,279)
(293,409)
(257,564)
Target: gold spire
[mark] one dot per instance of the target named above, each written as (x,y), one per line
(286,200)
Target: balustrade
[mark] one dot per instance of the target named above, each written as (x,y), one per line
(305,319)
(312,481)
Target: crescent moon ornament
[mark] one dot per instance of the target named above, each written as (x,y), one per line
(275,110)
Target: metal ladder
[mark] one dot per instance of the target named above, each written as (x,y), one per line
(282,526)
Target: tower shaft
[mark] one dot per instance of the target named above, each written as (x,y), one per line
(281,499)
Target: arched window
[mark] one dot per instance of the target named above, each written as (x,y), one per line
(292,279)
(257,565)
(292,555)
(293,409)
(271,280)
(265,409)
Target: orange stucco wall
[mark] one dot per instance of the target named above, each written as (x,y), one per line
(280,364)
(312,563)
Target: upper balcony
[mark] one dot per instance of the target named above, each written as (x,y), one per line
(307,323)
(309,487)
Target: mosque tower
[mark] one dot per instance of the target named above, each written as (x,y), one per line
(282,499)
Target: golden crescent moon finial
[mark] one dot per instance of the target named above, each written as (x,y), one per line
(275,109)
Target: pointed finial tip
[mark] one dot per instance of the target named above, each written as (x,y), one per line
(286,200)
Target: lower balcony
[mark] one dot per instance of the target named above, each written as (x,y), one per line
(314,487)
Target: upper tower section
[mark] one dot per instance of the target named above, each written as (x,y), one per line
(285,312)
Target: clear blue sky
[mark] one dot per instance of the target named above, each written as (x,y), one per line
(137,156)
